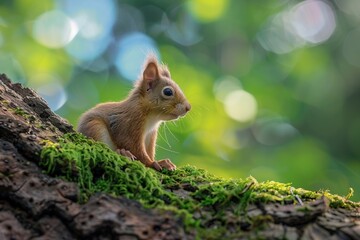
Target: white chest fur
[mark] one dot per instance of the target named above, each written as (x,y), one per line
(152,123)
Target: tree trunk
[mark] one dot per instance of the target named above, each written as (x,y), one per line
(34,205)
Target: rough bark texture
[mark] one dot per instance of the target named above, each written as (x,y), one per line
(34,205)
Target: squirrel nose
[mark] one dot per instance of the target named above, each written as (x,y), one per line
(187,107)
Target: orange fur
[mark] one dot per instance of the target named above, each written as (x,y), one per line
(132,124)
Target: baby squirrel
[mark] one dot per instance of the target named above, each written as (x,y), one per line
(130,127)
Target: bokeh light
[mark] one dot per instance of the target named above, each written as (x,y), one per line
(240,106)
(95,20)
(308,22)
(132,51)
(277,37)
(313,21)
(51,90)
(87,50)
(54,29)
(11,66)
(208,10)
(224,86)
(184,29)
(274,86)
(273,131)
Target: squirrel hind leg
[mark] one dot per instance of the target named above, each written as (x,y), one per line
(97,130)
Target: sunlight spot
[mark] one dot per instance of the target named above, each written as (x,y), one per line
(208,10)
(54,29)
(241,106)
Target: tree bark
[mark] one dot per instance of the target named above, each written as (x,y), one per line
(34,205)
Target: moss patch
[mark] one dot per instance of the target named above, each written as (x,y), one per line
(187,191)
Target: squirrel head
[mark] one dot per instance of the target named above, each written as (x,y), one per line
(159,94)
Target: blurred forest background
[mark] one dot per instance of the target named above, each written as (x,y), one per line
(274,85)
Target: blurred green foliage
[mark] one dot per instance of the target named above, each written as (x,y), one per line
(299,61)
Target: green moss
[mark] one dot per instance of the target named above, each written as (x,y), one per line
(96,168)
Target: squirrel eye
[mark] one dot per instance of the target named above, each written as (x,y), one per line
(168,92)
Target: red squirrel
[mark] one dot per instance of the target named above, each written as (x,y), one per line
(130,127)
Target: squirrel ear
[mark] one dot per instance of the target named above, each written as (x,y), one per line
(151,74)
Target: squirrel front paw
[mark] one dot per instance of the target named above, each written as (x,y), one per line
(126,153)
(155,165)
(167,164)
